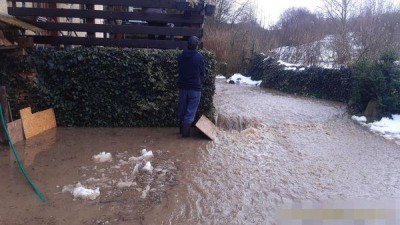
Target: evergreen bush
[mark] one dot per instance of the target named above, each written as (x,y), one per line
(111,87)
(316,82)
(378,81)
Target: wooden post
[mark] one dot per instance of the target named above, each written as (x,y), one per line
(6,113)
(90,21)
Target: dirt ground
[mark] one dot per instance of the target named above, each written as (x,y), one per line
(63,156)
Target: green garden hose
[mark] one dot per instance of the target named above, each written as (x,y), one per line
(41,196)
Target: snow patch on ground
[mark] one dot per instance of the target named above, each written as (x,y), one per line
(386,127)
(103,157)
(359,119)
(238,78)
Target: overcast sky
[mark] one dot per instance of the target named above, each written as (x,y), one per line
(270,10)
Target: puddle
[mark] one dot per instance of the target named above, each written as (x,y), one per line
(64,156)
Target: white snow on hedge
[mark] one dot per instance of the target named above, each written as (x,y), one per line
(288,64)
(291,66)
(388,128)
(81,192)
(102,157)
(240,79)
(220,77)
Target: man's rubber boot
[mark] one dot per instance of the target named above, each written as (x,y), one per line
(180,128)
(186,130)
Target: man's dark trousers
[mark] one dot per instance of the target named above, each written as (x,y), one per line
(188,103)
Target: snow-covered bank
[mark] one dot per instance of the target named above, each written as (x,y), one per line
(319,53)
(386,127)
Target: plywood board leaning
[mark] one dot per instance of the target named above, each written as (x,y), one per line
(15,131)
(207,127)
(37,123)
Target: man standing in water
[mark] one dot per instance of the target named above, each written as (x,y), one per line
(190,82)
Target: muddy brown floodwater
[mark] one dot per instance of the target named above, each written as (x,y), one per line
(272,150)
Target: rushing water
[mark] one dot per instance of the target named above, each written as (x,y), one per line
(274,150)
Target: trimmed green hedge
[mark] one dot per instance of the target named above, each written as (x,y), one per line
(110,87)
(357,85)
(315,82)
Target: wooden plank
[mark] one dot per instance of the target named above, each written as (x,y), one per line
(126,29)
(34,124)
(6,113)
(90,21)
(207,127)
(170,4)
(81,13)
(16,131)
(12,21)
(132,43)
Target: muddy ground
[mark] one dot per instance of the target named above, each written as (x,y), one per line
(272,150)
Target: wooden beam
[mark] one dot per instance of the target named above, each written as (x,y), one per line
(126,29)
(80,13)
(132,43)
(16,131)
(170,4)
(6,113)
(90,21)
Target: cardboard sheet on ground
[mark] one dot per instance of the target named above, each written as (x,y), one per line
(207,127)
(37,123)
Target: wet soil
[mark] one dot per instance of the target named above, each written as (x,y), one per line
(272,150)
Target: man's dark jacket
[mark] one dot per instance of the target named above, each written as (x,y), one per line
(191,70)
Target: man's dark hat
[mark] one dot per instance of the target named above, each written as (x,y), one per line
(194,41)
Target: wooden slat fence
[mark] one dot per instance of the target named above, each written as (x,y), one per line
(124,23)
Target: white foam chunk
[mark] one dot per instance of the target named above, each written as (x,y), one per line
(81,192)
(85,193)
(148,167)
(145,191)
(103,157)
(135,170)
(125,184)
(146,155)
